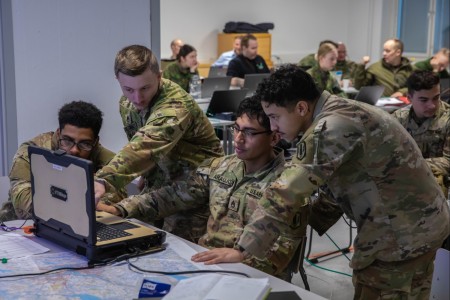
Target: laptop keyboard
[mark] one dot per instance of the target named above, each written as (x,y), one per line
(109,232)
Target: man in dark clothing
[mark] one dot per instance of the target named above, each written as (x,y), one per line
(248,62)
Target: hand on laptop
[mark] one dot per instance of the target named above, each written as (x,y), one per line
(99,189)
(107,208)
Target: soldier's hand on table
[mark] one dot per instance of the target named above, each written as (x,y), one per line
(219,255)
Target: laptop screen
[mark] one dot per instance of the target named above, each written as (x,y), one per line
(63,192)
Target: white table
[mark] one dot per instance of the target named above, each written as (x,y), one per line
(52,282)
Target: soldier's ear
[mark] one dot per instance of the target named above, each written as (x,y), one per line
(302,108)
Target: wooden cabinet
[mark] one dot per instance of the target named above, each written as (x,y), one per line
(225,43)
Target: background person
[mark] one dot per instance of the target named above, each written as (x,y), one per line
(391,71)
(182,70)
(438,63)
(321,73)
(168,133)
(78,134)
(247,62)
(175,46)
(225,58)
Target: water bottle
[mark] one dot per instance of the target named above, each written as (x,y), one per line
(195,87)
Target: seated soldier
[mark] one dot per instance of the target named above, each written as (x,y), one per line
(427,119)
(78,135)
(232,186)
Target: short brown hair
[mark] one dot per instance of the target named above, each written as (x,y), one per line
(134,60)
(246,38)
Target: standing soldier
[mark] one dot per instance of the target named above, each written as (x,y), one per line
(168,133)
(364,159)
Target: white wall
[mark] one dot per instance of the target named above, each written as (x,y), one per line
(64,51)
(299,24)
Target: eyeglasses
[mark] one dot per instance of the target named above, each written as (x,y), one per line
(83,145)
(246,132)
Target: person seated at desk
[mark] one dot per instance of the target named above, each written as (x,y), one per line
(427,119)
(182,70)
(390,72)
(325,81)
(343,64)
(225,58)
(175,46)
(310,60)
(437,63)
(78,134)
(232,186)
(169,136)
(247,62)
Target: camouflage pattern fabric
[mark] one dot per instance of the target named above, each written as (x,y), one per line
(234,199)
(410,279)
(308,61)
(380,73)
(425,65)
(325,81)
(347,67)
(432,137)
(179,75)
(376,173)
(19,202)
(166,142)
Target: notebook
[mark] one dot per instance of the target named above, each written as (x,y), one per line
(64,210)
(217,71)
(251,81)
(370,94)
(226,101)
(211,84)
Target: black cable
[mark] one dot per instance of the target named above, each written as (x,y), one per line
(11,228)
(47,272)
(349,223)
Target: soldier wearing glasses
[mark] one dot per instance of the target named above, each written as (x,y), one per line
(233,187)
(78,135)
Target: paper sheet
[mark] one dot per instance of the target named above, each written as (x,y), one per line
(13,245)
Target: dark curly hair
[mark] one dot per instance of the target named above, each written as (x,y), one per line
(286,86)
(81,114)
(251,107)
(421,80)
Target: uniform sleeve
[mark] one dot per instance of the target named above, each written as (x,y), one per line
(279,205)
(168,200)
(151,143)
(20,189)
(441,165)
(362,77)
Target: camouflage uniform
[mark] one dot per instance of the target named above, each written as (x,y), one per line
(347,67)
(19,202)
(432,137)
(308,61)
(179,75)
(234,200)
(166,142)
(380,73)
(425,65)
(325,81)
(376,173)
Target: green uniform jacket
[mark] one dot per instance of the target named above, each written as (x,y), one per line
(308,61)
(380,73)
(325,81)
(234,201)
(179,75)
(376,173)
(425,65)
(170,140)
(347,67)
(432,136)
(19,205)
